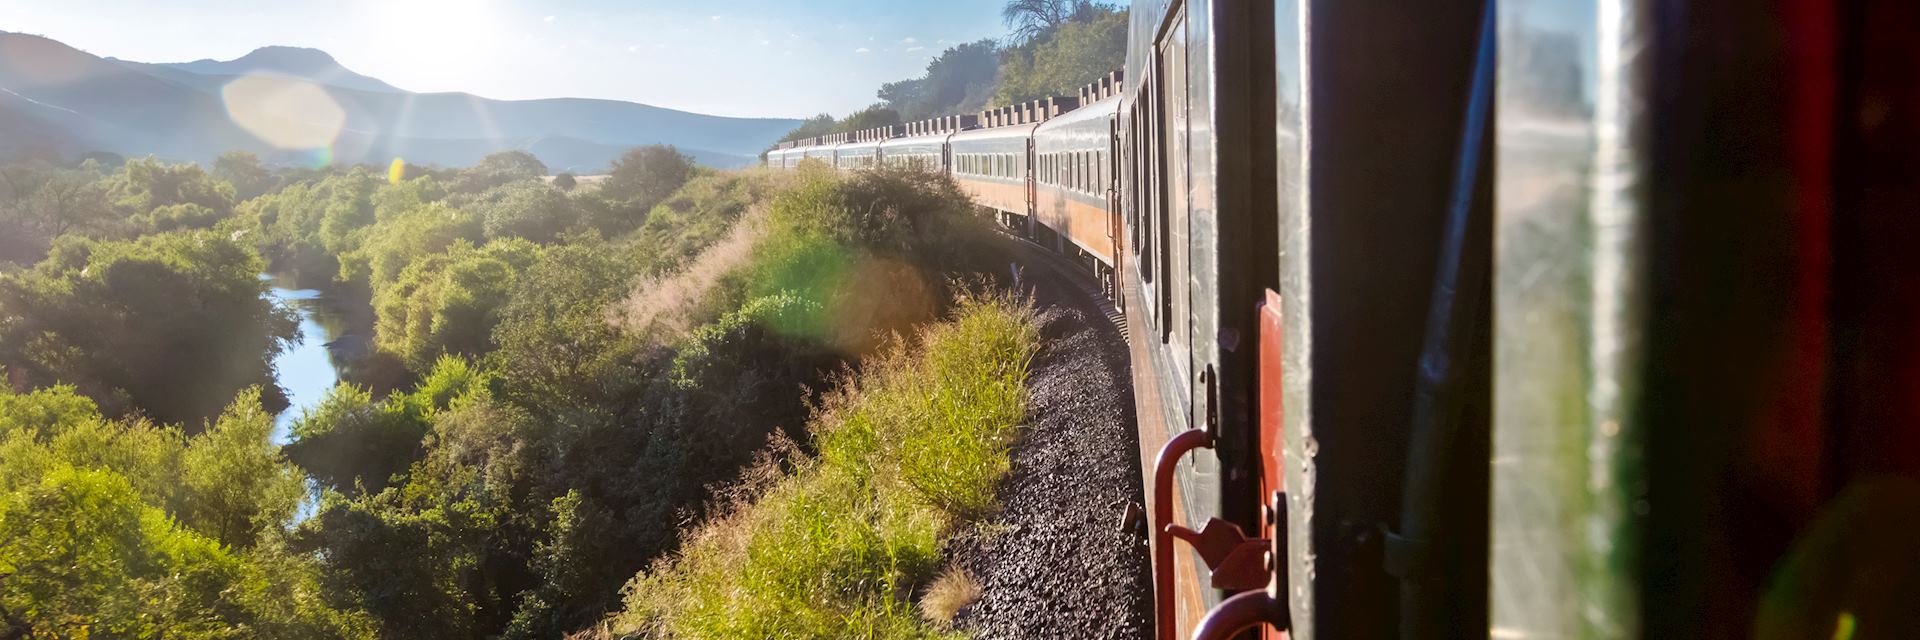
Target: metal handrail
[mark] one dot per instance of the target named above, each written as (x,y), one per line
(1163,469)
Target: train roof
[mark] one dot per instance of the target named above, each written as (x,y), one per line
(1104,108)
(995,133)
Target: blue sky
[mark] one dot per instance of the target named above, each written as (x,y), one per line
(789,58)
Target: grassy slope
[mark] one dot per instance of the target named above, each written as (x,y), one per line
(840,546)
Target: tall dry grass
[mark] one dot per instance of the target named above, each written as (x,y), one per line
(670,306)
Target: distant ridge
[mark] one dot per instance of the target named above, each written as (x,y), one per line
(175,111)
(299,62)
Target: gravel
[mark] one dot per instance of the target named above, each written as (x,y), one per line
(1056,562)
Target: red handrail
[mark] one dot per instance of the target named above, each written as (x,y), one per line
(1163,468)
(1240,613)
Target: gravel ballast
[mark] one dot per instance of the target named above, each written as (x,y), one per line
(1056,562)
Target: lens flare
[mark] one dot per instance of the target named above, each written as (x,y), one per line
(397,171)
(287,113)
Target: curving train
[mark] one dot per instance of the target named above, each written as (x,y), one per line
(1310,212)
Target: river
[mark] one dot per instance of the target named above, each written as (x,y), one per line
(307,370)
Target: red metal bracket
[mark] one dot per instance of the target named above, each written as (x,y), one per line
(1238,562)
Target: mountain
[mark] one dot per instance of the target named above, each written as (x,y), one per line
(311,64)
(181,111)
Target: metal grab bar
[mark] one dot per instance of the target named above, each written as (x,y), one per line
(1163,468)
(1240,613)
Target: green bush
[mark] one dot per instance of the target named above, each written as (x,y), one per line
(173,324)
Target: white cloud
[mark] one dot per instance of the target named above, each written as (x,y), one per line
(633,48)
(913,49)
(909,40)
(863,50)
(719,18)
(547,19)
(765,42)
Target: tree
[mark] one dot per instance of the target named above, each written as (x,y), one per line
(83,555)
(870,118)
(238,486)
(351,443)
(497,169)
(144,185)
(958,81)
(558,354)
(644,176)
(395,242)
(242,170)
(105,528)
(171,324)
(1066,58)
(46,203)
(1033,19)
(565,182)
(449,303)
(813,127)
(526,209)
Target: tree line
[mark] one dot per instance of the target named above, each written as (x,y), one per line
(1055,47)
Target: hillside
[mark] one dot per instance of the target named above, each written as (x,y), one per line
(176,111)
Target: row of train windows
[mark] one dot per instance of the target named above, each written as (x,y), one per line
(917,161)
(1083,171)
(856,161)
(1005,165)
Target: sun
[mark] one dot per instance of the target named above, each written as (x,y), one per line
(438,33)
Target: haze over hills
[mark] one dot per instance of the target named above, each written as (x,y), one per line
(55,97)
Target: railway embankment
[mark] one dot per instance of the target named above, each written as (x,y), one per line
(1055,561)
(963,479)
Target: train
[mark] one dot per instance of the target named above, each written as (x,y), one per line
(1494,318)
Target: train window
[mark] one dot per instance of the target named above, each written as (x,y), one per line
(1093,172)
(1072,176)
(1085,172)
(1086,169)
(1104,181)
(1086,166)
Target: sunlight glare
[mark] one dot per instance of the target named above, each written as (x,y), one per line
(284,112)
(438,33)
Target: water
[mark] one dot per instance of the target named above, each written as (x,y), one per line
(307,370)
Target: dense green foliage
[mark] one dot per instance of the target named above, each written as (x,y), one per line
(126,529)
(544,433)
(911,447)
(1080,49)
(123,320)
(960,80)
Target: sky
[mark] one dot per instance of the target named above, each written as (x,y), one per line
(784,58)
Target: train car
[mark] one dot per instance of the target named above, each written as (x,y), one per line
(821,149)
(990,164)
(1305,264)
(1197,205)
(1074,188)
(781,157)
(927,152)
(857,154)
